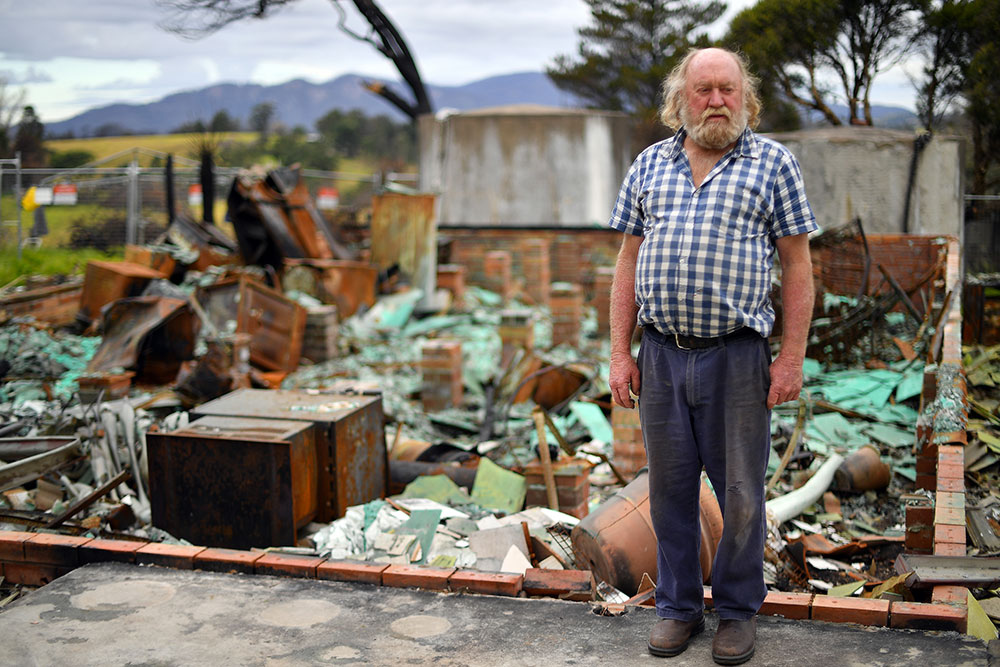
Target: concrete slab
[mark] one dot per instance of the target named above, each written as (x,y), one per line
(114,614)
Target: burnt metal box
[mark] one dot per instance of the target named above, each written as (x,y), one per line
(105,282)
(276,324)
(351,454)
(233,482)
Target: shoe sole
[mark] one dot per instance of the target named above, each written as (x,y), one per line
(677,650)
(733,659)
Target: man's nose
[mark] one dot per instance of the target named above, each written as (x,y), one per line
(715,99)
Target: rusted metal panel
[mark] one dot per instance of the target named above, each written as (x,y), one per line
(350,439)
(404,232)
(105,282)
(150,335)
(276,325)
(234,482)
(344,283)
(155,259)
(56,305)
(305,216)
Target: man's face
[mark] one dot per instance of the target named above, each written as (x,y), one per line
(714,115)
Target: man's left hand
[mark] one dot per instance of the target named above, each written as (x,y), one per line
(786,382)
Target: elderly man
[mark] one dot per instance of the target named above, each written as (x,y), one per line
(702,214)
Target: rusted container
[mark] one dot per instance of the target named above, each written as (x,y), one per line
(350,439)
(276,325)
(107,386)
(233,482)
(345,283)
(155,259)
(863,470)
(618,544)
(105,282)
(53,304)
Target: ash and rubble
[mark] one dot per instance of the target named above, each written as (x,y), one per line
(853,430)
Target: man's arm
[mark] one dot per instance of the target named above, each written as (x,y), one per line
(796,312)
(624,371)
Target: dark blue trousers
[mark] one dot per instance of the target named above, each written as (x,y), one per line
(707,408)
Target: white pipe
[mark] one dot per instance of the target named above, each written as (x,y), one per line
(792,504)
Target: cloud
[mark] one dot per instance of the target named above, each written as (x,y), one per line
(30,75)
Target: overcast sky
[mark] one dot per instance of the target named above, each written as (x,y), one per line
(73,55)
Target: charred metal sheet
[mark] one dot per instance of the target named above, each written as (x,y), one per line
(220,302)
(348,285)
(203,235)
(106,282)
(150,335)
(263,235)
(36,456)
(224,366)
(234,482)
(350,439)
(289,186)
(304,215)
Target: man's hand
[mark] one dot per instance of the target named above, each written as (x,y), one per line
(624,377)
(786,382)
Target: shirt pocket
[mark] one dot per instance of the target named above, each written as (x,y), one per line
(739,213)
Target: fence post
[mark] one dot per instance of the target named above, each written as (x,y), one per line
(17,198)
(132,204)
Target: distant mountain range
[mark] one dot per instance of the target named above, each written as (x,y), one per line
(299,102)
(302,103)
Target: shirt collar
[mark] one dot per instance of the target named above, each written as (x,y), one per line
(746,145)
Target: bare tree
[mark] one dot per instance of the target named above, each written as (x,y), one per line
(795,42)
(196,18)
(11,106)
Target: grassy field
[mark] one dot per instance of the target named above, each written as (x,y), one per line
(181,145)
(48,261)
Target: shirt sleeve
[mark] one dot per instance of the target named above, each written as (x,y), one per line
(792,213)
(628,215)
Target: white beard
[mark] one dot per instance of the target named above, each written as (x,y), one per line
(714,135)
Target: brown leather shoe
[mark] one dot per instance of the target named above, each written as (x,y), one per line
(670,637)
(734,641)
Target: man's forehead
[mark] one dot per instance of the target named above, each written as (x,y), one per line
(714,66)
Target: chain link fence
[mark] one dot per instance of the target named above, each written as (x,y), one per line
(106,207)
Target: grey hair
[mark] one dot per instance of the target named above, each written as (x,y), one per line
(673,90)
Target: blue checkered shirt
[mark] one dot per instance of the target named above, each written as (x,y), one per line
(704,266)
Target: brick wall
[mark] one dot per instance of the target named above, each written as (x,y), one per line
(441,387)
(574,255)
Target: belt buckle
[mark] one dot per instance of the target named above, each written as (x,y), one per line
(677,342)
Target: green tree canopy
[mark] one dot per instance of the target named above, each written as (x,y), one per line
(223,122)
(627,52)
(262,119)
(962,68)
(30,139)
(818,51)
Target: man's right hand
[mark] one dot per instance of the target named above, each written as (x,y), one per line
(623,378)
